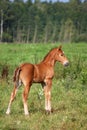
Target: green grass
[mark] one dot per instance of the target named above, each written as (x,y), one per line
(69,90)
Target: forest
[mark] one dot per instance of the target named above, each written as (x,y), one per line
(43,21)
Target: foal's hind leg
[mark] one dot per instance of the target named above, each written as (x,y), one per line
(25,97)
(13,94)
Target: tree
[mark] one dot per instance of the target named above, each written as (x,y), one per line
(27,21)
(1,26)
(48,32)
(3,8)
(68,32)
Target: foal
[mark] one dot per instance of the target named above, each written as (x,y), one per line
(37,73)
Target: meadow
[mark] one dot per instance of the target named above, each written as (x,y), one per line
(69,89)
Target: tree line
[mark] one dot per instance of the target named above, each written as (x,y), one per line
(37,21)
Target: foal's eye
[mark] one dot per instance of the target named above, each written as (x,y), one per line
(62,54)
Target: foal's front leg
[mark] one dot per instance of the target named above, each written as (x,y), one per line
(47,92)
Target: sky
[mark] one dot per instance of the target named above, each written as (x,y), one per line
(52,0)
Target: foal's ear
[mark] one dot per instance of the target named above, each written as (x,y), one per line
(59,48)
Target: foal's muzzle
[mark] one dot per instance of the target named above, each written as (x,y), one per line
(66,63)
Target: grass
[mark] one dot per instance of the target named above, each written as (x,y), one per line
(69,90)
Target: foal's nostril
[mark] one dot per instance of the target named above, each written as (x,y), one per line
(66,63)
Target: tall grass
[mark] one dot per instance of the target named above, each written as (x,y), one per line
(69,90)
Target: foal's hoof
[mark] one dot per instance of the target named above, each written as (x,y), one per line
(26,114)
(47,112)
(7,112)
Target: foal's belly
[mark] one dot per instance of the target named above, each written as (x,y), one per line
(38,78)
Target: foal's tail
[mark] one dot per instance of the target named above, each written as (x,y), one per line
(16,76)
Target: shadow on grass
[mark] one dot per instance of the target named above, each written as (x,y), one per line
(43,111)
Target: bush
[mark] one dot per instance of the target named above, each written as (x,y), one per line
(83,76)
(70,75)
(7,37)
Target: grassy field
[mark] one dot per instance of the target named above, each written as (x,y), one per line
(69,89)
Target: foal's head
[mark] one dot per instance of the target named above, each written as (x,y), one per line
(61,57)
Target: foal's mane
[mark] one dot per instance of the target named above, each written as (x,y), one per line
(49,54)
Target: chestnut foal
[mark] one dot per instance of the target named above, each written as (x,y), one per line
(37,73)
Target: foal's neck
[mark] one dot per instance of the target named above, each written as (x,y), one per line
(50,58)
(49,61)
